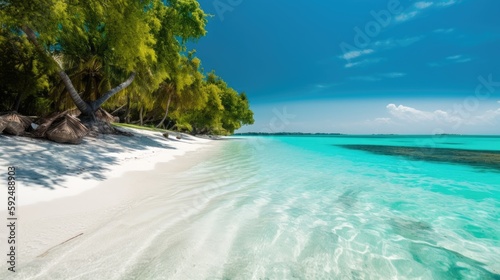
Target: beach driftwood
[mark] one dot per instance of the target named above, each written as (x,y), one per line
(61,128)
(103,115)
(3,125)
(66,129)
(15,123)
(45,123)
(66,241)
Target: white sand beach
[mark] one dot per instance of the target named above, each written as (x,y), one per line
(71,191)
(49,170)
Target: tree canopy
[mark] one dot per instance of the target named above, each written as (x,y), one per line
(116,54)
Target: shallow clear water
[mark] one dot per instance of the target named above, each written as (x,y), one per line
(301,208)
(306,208)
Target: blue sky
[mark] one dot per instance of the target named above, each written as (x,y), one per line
(360,66)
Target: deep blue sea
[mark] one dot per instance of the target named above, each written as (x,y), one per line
(347,207)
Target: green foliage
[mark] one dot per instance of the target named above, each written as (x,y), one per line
(99,44)
(223,112)
(148,128)
(22,75)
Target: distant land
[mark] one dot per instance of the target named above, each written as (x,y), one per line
(282,133)
(355,135)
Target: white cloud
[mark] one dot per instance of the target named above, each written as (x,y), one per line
(380,122)
(363,62)
(383,121)
(442,30)
(406,16)
(325,86)
(365,78)
(353,64)
(413,115)
(450,59)
(420,6)
(409,40)
(454,57)
(393,43)
(388,44)
(446,3)
(354,54)
(409,114)
(423,5)
(393,75)
(487,117)
(378,77)
(459,58)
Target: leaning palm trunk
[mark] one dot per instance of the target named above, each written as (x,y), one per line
(82,105)
(98,103)
(141,119)
(166,111)
(87,109)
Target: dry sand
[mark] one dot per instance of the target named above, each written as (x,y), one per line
(67,192)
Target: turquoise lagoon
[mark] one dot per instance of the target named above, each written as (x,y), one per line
(317,207)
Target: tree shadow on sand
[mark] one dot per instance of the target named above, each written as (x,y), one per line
(50,161)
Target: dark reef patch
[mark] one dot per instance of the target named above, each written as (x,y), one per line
(476,158)
(348,199)
(411,229)
(448,264)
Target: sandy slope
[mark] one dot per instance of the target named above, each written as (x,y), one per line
(69,191)
(48,170)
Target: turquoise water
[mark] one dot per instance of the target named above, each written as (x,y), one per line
(307,208)
(303,208)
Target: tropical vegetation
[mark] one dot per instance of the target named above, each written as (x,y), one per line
(127,57)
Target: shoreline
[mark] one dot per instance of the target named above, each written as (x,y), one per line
(225,212)
(47,170)
(78,206)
